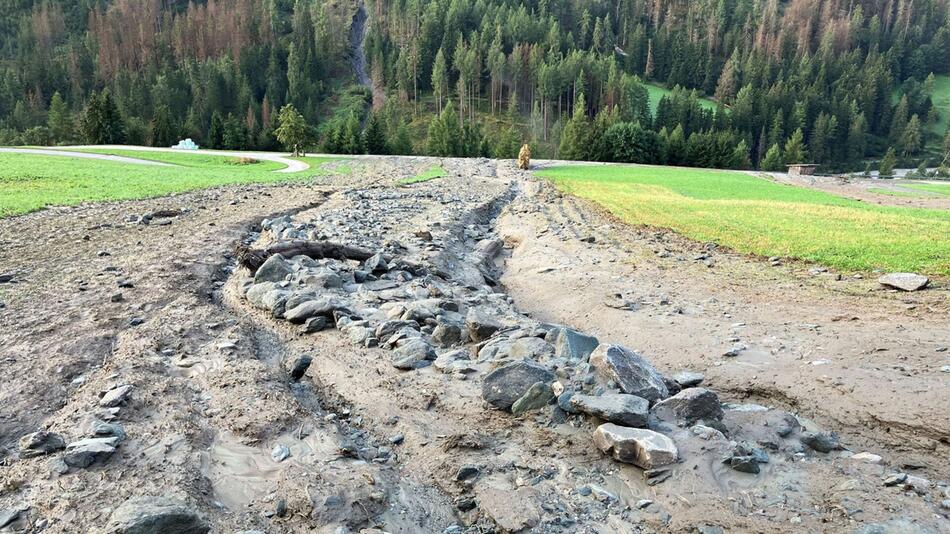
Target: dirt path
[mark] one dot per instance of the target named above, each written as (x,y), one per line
(373,446)
(83,155)
(872,190)
(291,165)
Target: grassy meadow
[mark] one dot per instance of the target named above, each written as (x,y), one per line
(430,174)
(755,215)
(30,182)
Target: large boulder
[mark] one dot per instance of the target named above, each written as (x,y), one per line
(84,453)
(574,345)
(690,405)
(530,348)
(538,396)
(412,354)
(643,448)
(505,385)
(620,408)
(148,515)
(275,269)
(904,281)
(630,371)
(480,325)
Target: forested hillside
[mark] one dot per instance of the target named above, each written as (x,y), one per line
(830,81)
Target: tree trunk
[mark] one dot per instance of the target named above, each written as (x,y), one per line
(252,259)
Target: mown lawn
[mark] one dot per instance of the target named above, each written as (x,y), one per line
(431,174)
(30,182)
(757,216)
(940,189)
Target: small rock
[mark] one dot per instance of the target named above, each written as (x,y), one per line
(866,457)
(116,396)
(446,335)
(480,325)
(315,324)
(821,441)
(274,269)
(376,264)
(300,367)
(643,448)
(746,457)
(620,408)
(9,515)
(538,396)
(504,386)
(280,453)
(467,473)
(904,281)
(40,443)
(85,452)
(512,511)
(894,479)
(144,515)
(688,379)
(630,371)
(413,354)
(690,405)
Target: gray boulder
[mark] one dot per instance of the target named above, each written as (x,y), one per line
(255,294)
(643,448)
(116,396)
(538,396)
(630,371)
(40,443)
(149,515)
(412,354)
(446,335)
(480,325)
(504,386)
(821,441)
(690,405)
(324,306)
(387,329)
(84,453)
(530,348)
(688,379)
(275,269)
(904,281)
(376,264)
(574,345)
(620,408)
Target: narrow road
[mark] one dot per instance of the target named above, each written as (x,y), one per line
(291,165)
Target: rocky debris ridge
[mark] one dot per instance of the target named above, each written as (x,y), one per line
(643,448)
(40,443)
(904,281)
(149,515)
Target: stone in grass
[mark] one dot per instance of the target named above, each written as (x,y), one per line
(619,408)
(146,515)
(630,371)
(538,396)
(690,405)
(643,448)
(505,385)
(904,281)
(40,443)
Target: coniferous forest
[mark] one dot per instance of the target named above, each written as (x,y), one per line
(711,83)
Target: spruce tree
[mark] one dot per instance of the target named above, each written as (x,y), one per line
(374,138)
(911,139)
(575,138)
(886,167)
(292,130)
(160,129)
(59,120)
(773,161)
(401,143)
(795,148)
(216,131)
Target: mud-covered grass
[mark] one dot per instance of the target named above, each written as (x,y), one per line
(940,189)
(758,216)
(29,182)
(431,174)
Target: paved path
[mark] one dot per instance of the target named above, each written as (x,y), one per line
(291,165)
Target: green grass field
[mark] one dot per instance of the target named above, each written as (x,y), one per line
(895,192)
(940,189)
(431,174)
(30,182)
(657,92)
(757,216)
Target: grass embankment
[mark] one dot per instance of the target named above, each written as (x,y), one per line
(941,101)
(925,190)
(30,182)
(431,174)
(757,216)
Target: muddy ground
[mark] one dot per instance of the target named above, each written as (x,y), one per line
(100,299)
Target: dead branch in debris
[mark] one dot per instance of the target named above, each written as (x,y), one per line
(254,258)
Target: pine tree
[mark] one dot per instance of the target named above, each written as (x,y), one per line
(353,136)
(59,120)
(101,123)
(160,129)
(795,148)
(857,138)
(740,156)
(374,138)
(400,143)
(575,139)
(216,131)
(292,130)
(886,167)
(911,139)
(773,161)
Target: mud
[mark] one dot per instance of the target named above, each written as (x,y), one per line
(375,447)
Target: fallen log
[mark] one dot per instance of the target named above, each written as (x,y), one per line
(252,259)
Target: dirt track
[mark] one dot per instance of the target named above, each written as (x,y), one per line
(211,396)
